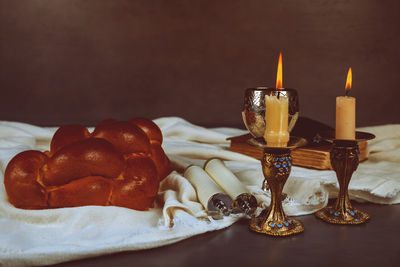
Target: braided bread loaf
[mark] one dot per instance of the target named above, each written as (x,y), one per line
(119,164)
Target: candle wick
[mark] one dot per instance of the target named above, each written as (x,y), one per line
(347,93)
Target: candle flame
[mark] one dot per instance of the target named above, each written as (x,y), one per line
(279,73)
(348,81)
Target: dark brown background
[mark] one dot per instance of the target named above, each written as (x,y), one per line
(81,61)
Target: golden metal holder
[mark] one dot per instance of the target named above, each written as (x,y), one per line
(345,157)
(276,165)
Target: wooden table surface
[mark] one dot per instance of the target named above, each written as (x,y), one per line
(373,244)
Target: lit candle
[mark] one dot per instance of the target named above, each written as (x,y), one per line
(346,113)
(276,114)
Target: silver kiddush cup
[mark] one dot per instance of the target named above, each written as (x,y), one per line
(254,110)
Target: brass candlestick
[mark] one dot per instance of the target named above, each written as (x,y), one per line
(276,165)
(345,157)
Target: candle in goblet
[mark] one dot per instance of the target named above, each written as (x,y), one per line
(276,114)
(346,113)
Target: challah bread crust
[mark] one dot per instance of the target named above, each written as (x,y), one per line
(126,137)
(160,159)
(68,134)
(119,163)
(87,157)
(91,190)
(21,180)
(150,129)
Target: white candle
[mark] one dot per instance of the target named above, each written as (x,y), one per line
(345,117)
(276,121)
(346,113)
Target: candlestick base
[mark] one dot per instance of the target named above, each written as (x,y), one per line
(337,216)
(262,224)
(276,165)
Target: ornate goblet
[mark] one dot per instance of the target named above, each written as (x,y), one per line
(345,157)
(254,110)
(276,165)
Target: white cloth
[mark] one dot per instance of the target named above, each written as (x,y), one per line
(42,237)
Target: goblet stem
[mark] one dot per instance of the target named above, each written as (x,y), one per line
(276,212)
(276,165)
(345,157)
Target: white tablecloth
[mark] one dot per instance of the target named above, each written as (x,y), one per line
(42,237)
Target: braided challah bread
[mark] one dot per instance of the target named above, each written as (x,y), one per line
(120,163)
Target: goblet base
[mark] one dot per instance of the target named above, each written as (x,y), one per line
(334,215)
(263,225)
